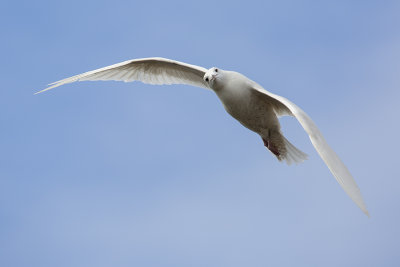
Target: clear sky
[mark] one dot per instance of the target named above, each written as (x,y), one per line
(127,174)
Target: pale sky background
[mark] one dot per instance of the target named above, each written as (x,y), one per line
(127,174)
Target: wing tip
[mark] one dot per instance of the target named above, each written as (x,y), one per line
(365,211)
(44,90)
(39,92)
(360,203)
(52,85)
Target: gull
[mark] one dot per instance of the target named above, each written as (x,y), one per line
(245,100)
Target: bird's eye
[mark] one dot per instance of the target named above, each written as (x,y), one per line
(216,70)
(207,79)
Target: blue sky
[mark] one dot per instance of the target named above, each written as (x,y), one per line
(127,174)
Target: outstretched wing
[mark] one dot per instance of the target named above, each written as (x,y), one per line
(331,159)
(147,70)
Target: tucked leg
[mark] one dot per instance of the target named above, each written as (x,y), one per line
(271,147)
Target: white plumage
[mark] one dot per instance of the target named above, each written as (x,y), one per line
(245,100)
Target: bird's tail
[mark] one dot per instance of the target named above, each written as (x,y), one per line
(293,154)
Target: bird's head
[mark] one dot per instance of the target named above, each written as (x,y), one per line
(212,76)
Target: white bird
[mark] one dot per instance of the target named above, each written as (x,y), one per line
(245,100)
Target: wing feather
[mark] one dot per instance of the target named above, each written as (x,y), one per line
(147,70)
(331,159)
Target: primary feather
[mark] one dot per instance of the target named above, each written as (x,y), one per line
(147,70)
(331,159)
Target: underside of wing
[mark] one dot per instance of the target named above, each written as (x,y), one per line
(331,159)
(147,70)
(279,108)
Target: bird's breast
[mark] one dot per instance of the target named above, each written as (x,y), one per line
(251,111)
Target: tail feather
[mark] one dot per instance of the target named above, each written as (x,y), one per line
(283,149)
(293,154)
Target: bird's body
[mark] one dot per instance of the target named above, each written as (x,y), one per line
(255,111)
(245,100)
(242,103)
